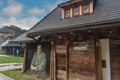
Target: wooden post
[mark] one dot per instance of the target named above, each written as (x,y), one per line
(53,60)
(100,64)
(98,60)
(52,72)
(51,64)
(55,63)
(67,60)
(25,55)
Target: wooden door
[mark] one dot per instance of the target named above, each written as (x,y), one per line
(82,61)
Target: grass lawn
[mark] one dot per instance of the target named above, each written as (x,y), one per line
(18,75)
(11,59)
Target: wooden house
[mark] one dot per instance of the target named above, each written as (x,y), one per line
(10,48)
(85,40)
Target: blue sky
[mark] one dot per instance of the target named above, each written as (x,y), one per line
(25,13)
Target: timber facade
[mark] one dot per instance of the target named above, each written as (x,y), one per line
(84,56)
(84,40)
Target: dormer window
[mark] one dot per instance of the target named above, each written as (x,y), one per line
(67,13)
(86,9)
(74,8)
(76,11)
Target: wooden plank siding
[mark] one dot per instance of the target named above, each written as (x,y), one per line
(61,61)
(82,62)
(71,64)
(115,59)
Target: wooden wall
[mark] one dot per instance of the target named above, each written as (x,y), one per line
(81,61)
(75,61)
(115,60)
(61,61)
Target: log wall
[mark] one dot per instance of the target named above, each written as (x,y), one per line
(61,68)
(81,62)
(115,60)
(76,64)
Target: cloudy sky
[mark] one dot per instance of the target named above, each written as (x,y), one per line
(25,13)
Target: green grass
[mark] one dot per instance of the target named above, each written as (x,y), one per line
(18,75)
(11,59)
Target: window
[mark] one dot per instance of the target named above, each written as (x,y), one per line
(76,11)
(86,9)
(67,13)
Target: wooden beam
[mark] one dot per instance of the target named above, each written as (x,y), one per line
(98,63)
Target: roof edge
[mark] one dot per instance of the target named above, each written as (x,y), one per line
(81,26)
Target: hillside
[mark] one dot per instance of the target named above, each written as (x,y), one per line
(10,32)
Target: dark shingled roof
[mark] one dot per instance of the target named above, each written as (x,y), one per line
(105,11)
(9,43)
(24,39)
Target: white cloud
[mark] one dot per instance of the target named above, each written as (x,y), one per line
(36,11)
(1,3)
(13,10)
(29,22)
(11,15)
(53,6)
(12,2)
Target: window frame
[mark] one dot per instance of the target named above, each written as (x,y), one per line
(88,9)
(67,13)
(74,13)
